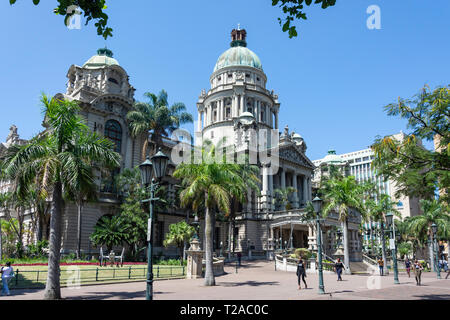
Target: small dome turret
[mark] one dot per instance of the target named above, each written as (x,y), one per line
(104,57)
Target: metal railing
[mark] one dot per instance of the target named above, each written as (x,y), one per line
(37,278)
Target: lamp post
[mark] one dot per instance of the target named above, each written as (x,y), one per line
(151,173)
(317,204)
(392,244)
(221,248)
(438,270)
(196,224)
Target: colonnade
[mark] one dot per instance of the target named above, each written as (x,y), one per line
(226,108)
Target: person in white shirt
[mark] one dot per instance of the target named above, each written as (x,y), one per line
(7,274)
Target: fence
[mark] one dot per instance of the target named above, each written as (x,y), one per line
(37,278)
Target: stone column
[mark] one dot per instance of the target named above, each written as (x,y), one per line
(283,183)
(199,122)
(283,178)
(295,201)
(265,188)
(305,190)
(276,120)
(258,111)
(309,190)
(270,189)
(249,200)
(243,107)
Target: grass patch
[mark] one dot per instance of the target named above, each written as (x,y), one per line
(36,276)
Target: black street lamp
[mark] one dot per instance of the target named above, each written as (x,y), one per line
(434,230)
(152,177)
(392,244)
(196,225)
(317,204)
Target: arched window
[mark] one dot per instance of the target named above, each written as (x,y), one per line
(113,131)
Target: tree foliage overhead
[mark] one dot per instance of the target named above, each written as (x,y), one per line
(93,10)
(293,9)
(416,170)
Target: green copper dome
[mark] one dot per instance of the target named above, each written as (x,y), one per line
(238,56)
(103,58)
(333,158)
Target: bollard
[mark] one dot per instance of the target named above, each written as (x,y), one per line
(96,274)
(17,277)
(236,266)
(114,273)
(157,272)
(129,272)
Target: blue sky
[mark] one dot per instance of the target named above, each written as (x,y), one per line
(332,81)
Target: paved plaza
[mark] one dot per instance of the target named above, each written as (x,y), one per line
(257,280)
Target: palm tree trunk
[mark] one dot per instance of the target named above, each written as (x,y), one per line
(346,248)
(383,246)
(209,274)
(79,232)
(431,253)
(230,230)
(52,288)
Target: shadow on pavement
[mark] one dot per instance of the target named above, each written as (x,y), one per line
(247,283)
(433,297)
(110,295)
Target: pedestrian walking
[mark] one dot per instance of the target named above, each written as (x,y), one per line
(418,272)
(7,273)
(301,273)
(338,268)
(446,269)
(408,267)
(381,266)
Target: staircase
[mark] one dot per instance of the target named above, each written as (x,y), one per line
(360,268)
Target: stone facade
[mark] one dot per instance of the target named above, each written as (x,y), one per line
(239,107)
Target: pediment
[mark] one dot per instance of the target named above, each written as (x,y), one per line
(294,155)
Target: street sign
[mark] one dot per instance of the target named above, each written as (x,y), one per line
(392,244)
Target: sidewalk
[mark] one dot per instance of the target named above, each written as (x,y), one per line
(257,280)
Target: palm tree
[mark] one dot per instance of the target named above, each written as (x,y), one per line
(53,157)
(239,192)
(179,234)
(433,212)
(209,183)
(378,214)
(110,231)
(281,199)
(158,117)
(341,196)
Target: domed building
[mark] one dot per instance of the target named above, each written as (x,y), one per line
(238,110)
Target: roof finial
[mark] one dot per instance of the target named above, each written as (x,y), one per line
(239,26)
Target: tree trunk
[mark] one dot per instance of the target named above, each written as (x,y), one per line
(383,247)
(431,253)
(39,226)
(346,248)
(1,241)
(209,274)
(230,230)
(52,288)
(79,232)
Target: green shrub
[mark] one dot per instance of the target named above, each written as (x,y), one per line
(303,252)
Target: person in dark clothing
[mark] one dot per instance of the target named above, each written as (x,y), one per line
(338,267)
(408,267)
(301,273)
